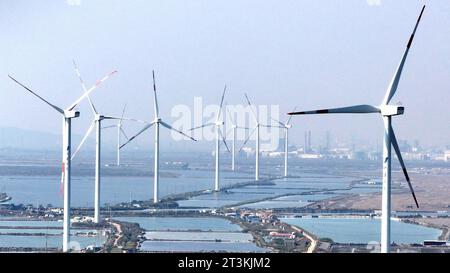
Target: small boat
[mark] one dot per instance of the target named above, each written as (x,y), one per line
(4,197)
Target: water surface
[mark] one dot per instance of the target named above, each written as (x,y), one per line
(364,230)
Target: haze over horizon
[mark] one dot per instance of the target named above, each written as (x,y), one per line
(287,53)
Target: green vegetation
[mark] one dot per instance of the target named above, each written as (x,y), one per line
(326,240)
(129,239)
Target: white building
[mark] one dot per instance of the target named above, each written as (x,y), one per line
(249,151)
(309,156)
(82,219)
(447,155)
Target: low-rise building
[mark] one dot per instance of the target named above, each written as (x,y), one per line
(282,235)
(447,155)
(82,219)
(309,156)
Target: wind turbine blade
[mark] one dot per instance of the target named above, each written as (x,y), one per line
(146,127)
(221,104)
(203,126)
(111,118)
(155,96)
(395,81)
(107,127)
(123,133)
(123,114)
(245,128)
(224,140)
(279,122)
(77,71)
(41,98)
(127,119)
(251,107)
(272,126)
(290,117)
(88,132)
(135,120)
(402,163)
(87,93)
(248,138)
(357,109)
(178,131)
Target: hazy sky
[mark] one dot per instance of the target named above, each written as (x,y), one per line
(309,54)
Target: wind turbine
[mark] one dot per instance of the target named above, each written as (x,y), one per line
(286,126)
(120,133)
(257,127)
(387,111)
(97,124)
(219,136)
(68,114)
(234,128)
(157,122)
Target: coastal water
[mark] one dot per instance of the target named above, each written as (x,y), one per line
(275,204)
(188,246)
(181,224)
(43,234)
(192,234)
(166,233)
(48,241)
(230,237)
(45,190)
(295,192)
(363,230)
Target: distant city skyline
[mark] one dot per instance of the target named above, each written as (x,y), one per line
(14,138)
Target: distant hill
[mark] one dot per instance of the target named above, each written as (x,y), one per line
(15,138)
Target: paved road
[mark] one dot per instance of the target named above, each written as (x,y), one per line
(119,233)
(313,244)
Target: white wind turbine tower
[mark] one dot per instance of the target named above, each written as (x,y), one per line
(68,114)
(257,127)
(120,133)
(286,126)
(387,111)
(219,137)
(157,122)
(234,128)
(97,124)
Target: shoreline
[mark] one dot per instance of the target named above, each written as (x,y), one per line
(314,207)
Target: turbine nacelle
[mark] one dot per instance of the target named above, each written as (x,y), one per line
(219,123)
(99,117)
(71,114)
(392,110)
(157,121)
